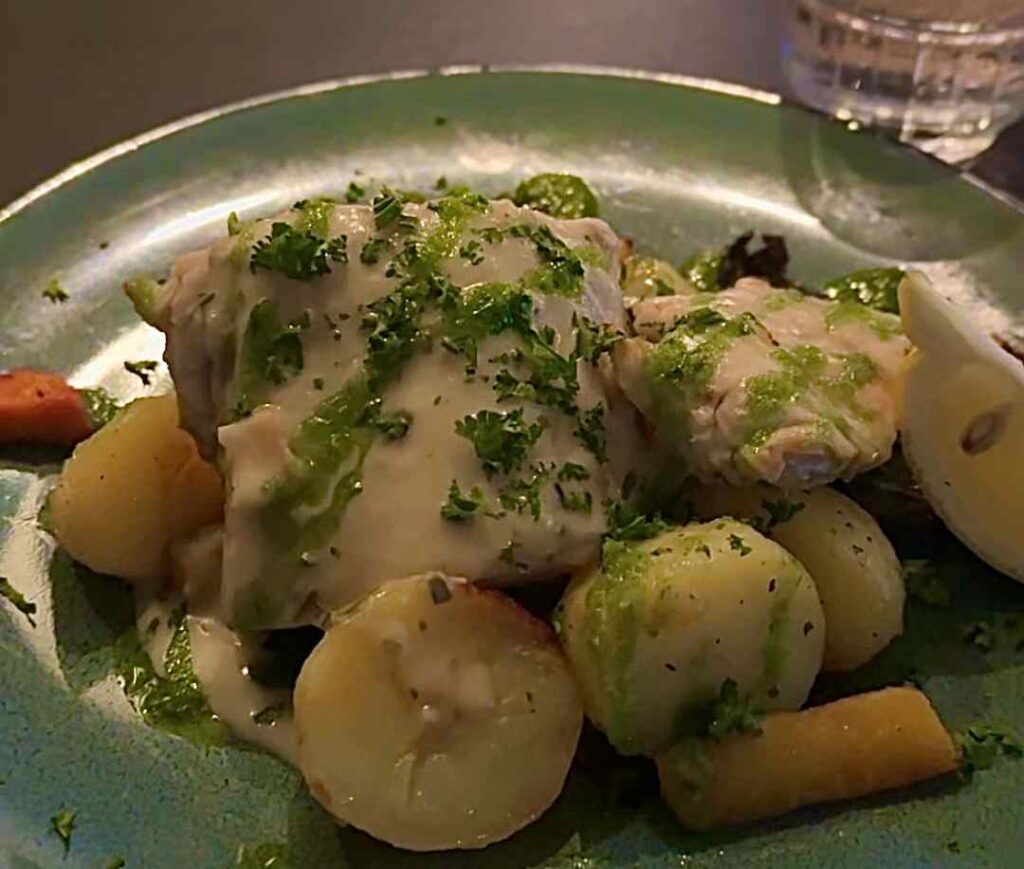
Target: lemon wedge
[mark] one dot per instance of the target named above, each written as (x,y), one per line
(963,426)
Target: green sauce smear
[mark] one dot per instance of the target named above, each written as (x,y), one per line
(557,194)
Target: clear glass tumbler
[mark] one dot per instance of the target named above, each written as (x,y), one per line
(945,75)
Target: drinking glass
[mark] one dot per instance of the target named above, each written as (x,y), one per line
(944,75)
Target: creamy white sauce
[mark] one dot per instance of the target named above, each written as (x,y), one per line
(220,663)
(393,528)
(156,619)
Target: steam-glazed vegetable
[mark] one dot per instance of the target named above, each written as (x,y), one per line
(132,489)
(435,715)
(855,568)
(756,383)
(659,628)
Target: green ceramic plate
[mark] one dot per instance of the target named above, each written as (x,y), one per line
(678,165)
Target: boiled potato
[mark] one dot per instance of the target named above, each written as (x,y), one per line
(850,748)
(435,714)
(133,488)
(858,575)
(655,631)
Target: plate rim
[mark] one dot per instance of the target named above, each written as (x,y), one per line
(99,158)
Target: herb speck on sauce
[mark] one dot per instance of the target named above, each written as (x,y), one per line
(54,292)
(63,824)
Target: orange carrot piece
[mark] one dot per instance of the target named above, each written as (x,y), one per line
(41,407)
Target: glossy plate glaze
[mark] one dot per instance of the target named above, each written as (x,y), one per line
(678,165)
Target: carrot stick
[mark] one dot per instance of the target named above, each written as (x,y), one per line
(40,407)
(855,746)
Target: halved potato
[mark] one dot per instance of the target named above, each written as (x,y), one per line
(132,489)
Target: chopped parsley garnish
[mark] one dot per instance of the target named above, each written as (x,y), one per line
(590,432)
(63,824)
(115,863)
(736,543)
(523,494)
(925,583)
(370,254)
(271,354)
(573,471)
(627,524)
(387,208)
(235,224)
(982,744)
(778,512)
(17,599)
(593,339)
(299,254)
(440,121)
(557,194)
(460,505)
(501,440)
(562,270)
(472,251)
(728,714)
(394,426)
(575,502)
(441,183)
(354,193)
(55,292)
(143,369)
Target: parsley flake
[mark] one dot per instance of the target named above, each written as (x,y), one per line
(63,824)
(626,523)
(461,506)
(982,744)
(523,494)
(501,440)
(394,426)
(590,432)
(299,254)
(387,208)
(593,339)
(17,599)
(143,369)
(55,292)
(728,714)
(370,254)
(736,543)
(354,193)
(573,471)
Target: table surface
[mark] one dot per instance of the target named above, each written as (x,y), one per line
(76,77)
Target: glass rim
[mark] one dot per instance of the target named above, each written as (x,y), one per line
(857,15)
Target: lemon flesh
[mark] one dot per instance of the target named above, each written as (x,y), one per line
(963,426)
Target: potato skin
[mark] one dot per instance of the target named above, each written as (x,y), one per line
(132,489)
(850,748)
(653,634)
(859,577)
